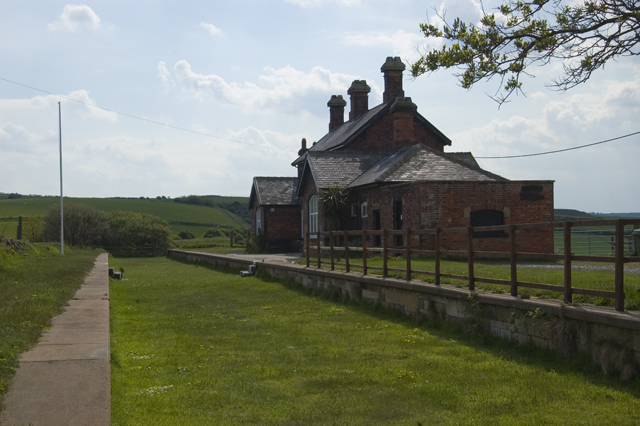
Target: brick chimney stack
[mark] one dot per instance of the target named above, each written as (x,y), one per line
(336,111)
(303,147)
(392,69)
(359,92)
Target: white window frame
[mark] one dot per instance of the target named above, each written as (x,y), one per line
(258,220)
(313,216)
(364,209)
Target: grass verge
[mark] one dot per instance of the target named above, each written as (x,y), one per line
(192,345)
(34,287)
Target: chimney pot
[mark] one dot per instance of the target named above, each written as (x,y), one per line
(336,111)
(303,148)
(392,70)
(359,92)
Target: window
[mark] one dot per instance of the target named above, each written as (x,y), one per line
(488,217)
(363,210)
(354,210)
(258,220)
(313,215)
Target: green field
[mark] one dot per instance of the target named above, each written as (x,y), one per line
(193,345)
(181,217)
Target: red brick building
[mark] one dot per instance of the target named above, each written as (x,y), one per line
(391,161)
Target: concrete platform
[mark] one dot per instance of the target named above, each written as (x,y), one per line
(66,378)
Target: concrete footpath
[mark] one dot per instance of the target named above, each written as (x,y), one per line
(66,378)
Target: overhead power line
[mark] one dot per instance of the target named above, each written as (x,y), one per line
(144,119)
(566,149)
(278,149)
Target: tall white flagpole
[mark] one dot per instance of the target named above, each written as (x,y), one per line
(61,209)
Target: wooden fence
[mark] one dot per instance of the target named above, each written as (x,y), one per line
(314,241)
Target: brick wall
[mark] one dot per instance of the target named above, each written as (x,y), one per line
(426,205)
(381,136)
(282,222)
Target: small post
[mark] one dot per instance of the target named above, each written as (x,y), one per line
(408,253)
(19,232)
(346,250)
(364,252)
(319,251)
(306,237)
(437,278)
(513,258)
(568,298)
(385,253)
(472,284)
(331,249)
(619,262)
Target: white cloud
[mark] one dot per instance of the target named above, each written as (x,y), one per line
(15,138)
(211,29)
(403,44)
(285,89)
(85,105)
(74,17)
(316,3)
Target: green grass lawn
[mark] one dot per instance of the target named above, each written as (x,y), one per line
(195,346)
(181,217)
(34,287)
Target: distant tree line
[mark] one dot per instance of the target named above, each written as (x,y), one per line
(236,207)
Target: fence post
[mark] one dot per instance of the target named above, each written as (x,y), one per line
(331,249)
(364,252)
(306,237)
(568,298)
(346,250)
(319,251)
(408,251)
(385,252)
(619,262)
(513,256)
(472,284)
(19,230)
(437,278)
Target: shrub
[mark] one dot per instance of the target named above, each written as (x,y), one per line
(83,225)
(214,232)
(132,233)
(186,235)
(255,243)
(32,228)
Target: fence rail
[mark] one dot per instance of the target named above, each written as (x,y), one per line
(338,242)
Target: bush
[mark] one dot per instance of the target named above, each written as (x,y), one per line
(255,243)
(32,228)
(186,235)
(132,233)
(214,232)
(83,225)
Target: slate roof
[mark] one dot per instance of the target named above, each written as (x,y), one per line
(419,163)
(272,191)
(333,168)
(347,132)
(465,157)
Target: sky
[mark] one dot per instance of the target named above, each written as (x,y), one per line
(199,97)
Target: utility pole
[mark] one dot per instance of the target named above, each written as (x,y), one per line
(61,209)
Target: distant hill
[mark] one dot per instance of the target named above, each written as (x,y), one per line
(181,217)
(562,215)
